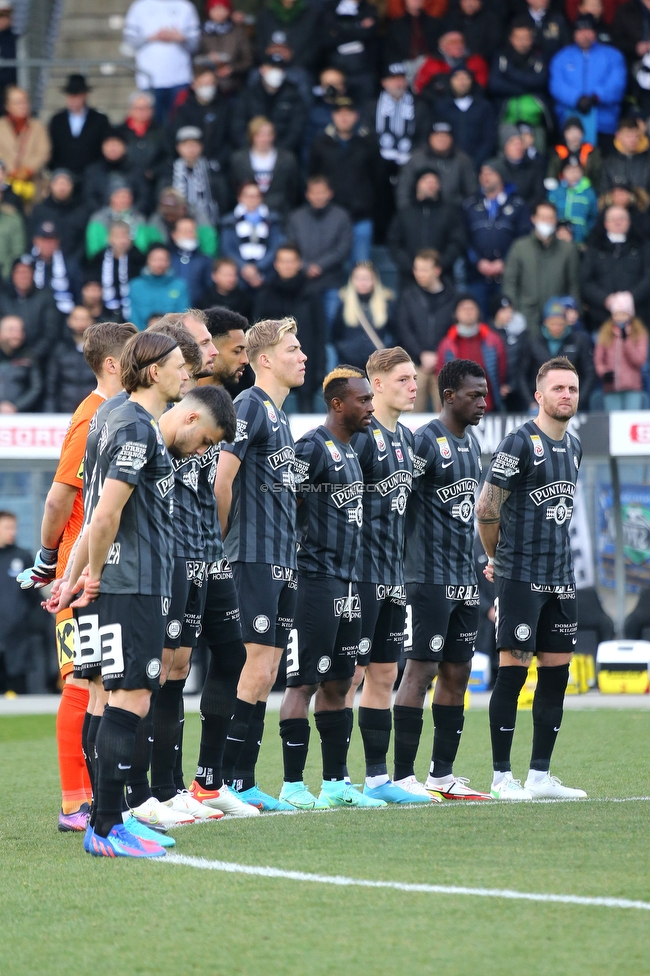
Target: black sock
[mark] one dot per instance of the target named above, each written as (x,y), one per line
(115,744)
(294,733)
(179,781)
(236,737)
(503,714)
(217,706)
(333,728)
(245,769)
(137,784)
(91,740)
(448,721)
(166,734)
(548,708)
(407,723)
(375,726)
(350,714)
(85,748)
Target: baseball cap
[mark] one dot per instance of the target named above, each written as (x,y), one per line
(554,308)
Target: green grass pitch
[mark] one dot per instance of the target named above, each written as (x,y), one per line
(63,912)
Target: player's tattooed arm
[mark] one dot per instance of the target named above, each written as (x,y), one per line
(488,515)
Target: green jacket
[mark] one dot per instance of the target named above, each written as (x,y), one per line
(535,272)
(99,226)
(12,238)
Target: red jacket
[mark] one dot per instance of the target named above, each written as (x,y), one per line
(487,350)
(438,66)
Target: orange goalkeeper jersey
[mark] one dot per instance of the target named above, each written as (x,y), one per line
(71,472)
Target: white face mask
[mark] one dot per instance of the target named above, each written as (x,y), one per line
(206,92)
(274,77)
(544,229)
(187,244)
(617,238)
(467,331)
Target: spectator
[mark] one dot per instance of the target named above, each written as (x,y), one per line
(539,266)
(20,376)
(574,8)
(629,160)
(348,156)
(432,78)
(65,209)
(426,311)
(287,292)
(429,223)
(195,177)
(17,606)
(634,200)
(572,313)
(115,267)
(52,269)
(631,29)
(187,261)
(91,298)
(564,231)
(453,166)
(113,166)
(621,353)
(227,45)
(366,320)
(469,338)
(8,75)
(77,132)
(479,24)
(35,307)
(171,207)
(575,199)
(511,328)
(589,78)
(558,338)
(323,233)
(203,107)
(331,86)
(25,146)
(399,121)
(145,145)
(290,30)
(494,218)
(272,95)
(521,173)
(69,378)
(433,8)
(250,235)
(224,290)
(519,70)
(550,31)
(120,207)
(615,260)
(12,236)
(163,34)
(413,34)
(157,289)
(470,115)
(574,145)
(274,170)
(350,44)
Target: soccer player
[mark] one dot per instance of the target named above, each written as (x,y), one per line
(524,512)
(221,617)
(257,511)
(441,581)
(62,522)
(322,657)
(131,559)
(385,452)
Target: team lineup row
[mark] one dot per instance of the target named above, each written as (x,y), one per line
(314,547)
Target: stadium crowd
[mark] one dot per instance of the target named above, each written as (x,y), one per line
(489,156)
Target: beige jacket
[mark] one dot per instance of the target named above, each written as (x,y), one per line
(30,149)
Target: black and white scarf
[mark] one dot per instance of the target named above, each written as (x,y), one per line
(211,27)
(395,125)
(116,297)
(194,186)
(58,279)
(252,229)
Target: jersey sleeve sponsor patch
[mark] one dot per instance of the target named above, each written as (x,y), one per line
(505,465)
(132,454)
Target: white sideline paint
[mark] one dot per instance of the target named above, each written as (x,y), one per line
(265,872)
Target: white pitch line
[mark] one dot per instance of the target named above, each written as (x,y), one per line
(340,881)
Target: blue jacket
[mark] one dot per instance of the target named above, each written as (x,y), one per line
(195,270)
(157,293)
(579,204)
(491,237)
(600,71)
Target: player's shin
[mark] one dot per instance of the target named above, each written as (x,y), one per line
(503,714)
(548,707)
